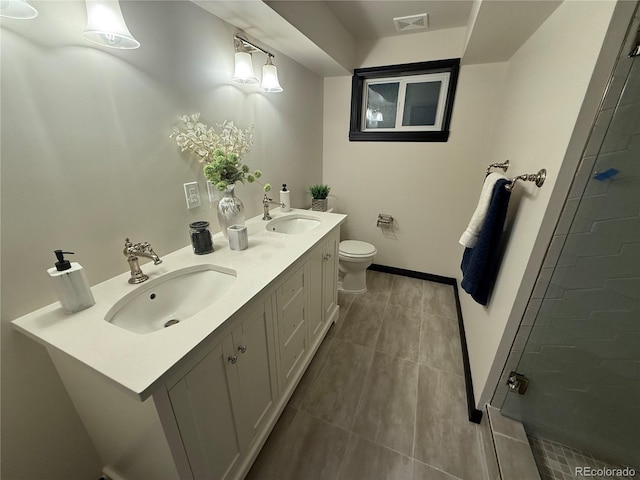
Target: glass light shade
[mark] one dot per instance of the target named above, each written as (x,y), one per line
(17,9)
(270,81)
(243,71)
(106,27)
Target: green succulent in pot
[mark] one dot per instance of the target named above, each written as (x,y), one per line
(319,191)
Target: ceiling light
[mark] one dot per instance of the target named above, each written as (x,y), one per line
(106,26)
(17,9)
(270,77)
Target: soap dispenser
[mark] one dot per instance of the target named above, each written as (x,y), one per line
(70,283)
(285,200)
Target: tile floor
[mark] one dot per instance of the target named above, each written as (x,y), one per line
(384,397)
(558,462)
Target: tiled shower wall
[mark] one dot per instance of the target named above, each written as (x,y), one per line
(579,341)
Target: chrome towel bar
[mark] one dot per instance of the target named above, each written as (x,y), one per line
(538,178)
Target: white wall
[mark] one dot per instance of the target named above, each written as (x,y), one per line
(86,161)
(429,188)
(545,87)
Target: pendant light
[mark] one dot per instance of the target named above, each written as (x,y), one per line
(17,10)
(106,26)
(270,82)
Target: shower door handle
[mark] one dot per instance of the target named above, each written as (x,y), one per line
(517,382)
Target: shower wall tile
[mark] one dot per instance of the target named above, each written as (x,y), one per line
(626,230)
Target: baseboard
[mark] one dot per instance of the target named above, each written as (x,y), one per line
(475,415)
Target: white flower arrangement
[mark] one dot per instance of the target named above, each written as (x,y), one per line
(220,150)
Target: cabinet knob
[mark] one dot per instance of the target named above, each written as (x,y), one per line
(232,359)
(242,348)
(326,256)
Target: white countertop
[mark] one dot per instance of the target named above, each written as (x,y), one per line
(137,362)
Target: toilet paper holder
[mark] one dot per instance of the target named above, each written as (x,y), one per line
(384,221)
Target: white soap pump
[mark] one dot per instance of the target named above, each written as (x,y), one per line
(70,283)
(285,200)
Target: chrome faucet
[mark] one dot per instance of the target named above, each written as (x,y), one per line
(266,201)
(134,250)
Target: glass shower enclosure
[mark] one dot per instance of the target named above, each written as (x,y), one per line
(582,355)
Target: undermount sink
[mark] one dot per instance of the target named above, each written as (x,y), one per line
(296,223)
(171,298)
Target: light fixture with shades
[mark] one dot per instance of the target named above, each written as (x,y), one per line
(17,10)
(243,72)
(106,26)
(270,77)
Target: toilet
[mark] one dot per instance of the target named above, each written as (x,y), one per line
(354,257)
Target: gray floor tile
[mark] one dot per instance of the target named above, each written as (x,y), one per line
(400,333)
(387,410)
(378,285)
(445,439)
(335,392)
(271,456)
(381,399)
(312,450)
(407,291)
(362,322)
(366,460)
(312,372)
(425,472)
(344,301)
(439,299)
(440,343)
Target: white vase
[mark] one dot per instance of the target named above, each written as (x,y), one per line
(230,210)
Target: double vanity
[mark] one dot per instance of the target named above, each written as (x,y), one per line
(185,375)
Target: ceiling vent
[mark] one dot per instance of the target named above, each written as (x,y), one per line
(412,22)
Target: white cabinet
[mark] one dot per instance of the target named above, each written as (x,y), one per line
(203,405)
(216,396)
(323,285)
(293,326)
(225,401)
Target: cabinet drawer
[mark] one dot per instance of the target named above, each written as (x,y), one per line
(294,351)
(293,315)
(292,287)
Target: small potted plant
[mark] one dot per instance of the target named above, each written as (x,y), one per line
(319,194)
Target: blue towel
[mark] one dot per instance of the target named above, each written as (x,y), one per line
(480,263)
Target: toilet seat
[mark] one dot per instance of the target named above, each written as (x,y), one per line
(356,249)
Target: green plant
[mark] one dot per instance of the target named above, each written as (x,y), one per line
(319,191)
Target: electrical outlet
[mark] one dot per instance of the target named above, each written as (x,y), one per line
(192,194)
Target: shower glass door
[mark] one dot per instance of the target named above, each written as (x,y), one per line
(582,357)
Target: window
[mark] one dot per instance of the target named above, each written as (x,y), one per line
(410,102)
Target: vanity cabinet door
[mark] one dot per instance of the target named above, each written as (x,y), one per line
(224,402)
(204,403)
(254,348)
(330,276)
(323,284)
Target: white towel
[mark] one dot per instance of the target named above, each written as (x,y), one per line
(470,235)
